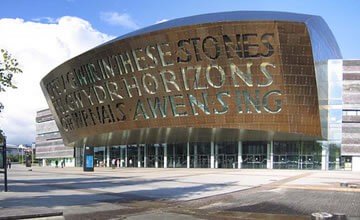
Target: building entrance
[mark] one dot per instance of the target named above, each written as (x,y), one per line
(149,154)
(200,161)
(154,155)
(226,160)
(254,155)
(100,156)
(226,155)
(286,161)
(177,155)
(132,156)
(297,155)
(308,162)
(199,154)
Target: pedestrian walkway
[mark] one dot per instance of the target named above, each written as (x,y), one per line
(120,190)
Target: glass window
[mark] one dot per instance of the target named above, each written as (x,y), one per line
(334,156)
(352,113)
(297,155)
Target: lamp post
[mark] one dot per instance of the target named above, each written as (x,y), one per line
(32,152)
(5,164)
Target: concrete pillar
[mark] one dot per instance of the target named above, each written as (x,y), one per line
(139,155)
(126,157)
(188,155)
(216,156)
(174,161)
(195,156)
(324,157)
(105,157)
(300,162)
(156,156)
(239,154)
(145,155)
(108,156)
(165,155)
(212,161)
(121,156)
(355,166)
(270,155)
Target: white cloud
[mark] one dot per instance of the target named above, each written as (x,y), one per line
(39,48)
(161,21)
(114,18)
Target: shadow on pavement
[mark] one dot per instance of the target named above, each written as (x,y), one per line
(89,191)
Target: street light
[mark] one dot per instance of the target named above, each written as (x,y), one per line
(32,152)
(5,164)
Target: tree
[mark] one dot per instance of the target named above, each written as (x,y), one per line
(8,67)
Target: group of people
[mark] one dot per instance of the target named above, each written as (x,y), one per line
(8,163)
(62,163)
(115,163)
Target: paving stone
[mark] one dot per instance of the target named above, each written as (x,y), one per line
(196,193)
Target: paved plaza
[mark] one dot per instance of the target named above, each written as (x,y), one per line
(138,193)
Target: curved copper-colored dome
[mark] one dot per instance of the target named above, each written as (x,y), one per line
(225,76)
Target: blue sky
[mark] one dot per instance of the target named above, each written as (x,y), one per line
(44,33)
(342,16)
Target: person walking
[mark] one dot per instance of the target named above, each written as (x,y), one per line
(56,163)
(9,163)
(63,163)
(113,163)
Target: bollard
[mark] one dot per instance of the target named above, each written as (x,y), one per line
(343,184)
(321,216)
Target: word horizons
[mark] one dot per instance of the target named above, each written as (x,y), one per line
(98,92)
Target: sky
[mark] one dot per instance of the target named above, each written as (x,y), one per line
(42,34)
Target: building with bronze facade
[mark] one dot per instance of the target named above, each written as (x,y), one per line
(224,90)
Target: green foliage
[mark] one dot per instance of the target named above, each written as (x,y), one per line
(13,158)
(8,67)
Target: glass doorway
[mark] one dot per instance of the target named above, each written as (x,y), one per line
(150,155)
(297,155)
(115,155)
(200,155)
(254,155)
(200,161)
(154,155)
(99,156)
(132,156)
(226,160)
(226,155)
(176,154)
